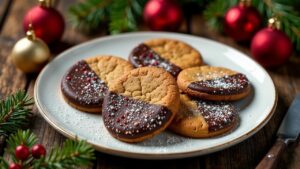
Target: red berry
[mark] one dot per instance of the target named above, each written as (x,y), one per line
(38,150)
(22,152)
(14,166)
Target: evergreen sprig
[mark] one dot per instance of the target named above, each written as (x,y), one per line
(71,155)
(285,10)
(14,112)
(122,15)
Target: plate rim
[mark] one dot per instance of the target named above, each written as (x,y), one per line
(151,156)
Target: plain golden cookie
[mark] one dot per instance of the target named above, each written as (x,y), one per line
(213,83)
(202,119)
(86,82)
(140,104)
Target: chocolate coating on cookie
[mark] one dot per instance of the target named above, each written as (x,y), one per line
(142,55)
(128,118)
(82,87)
(218,115)
(227,85)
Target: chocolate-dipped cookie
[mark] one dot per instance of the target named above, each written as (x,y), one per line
(201,119)
(140,104)
(171,55)
(84,84)
(214,83)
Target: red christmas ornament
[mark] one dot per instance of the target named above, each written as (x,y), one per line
(163,15)
(48,24)
(14,166)
(38,151)
(242,21)
(270,46)
(22,152)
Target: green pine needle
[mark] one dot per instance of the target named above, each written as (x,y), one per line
(71,155)
(215,12)
(88,16)
(3,163)
(14,112)
(20,138)
(121,15)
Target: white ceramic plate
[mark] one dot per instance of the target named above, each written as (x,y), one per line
(255,112)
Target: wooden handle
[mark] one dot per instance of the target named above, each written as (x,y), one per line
(273,156)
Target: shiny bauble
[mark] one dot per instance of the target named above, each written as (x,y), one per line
(47,22)
(30,54)
(163,15)
(271,47)
(241,22)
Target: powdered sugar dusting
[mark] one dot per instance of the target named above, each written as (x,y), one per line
(132,118)
(228,84)
(218,115)
(83,85)
(143,55)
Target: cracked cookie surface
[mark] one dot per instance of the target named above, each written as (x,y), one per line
(214,83)
(169,54)
(201,119)
(86,82)
(140,104)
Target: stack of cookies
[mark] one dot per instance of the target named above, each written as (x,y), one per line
(164,85)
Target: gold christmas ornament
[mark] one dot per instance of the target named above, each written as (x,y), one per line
(30,54)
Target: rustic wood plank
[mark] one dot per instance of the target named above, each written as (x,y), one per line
(4,10)
(13,27)
(11,79)
(45,133)
(105,161)
(248,153)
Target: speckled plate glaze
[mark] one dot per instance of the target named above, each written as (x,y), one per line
(255,110)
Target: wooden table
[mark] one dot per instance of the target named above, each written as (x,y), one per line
(244,155)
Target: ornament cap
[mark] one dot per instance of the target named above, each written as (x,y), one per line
(245,2)
(45,3)
(274,23)
(30,33)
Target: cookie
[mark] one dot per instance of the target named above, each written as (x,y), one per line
(140,104)
(201,119)
(214,83)
(169,54)
(84,84)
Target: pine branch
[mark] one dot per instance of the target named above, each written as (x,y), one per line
(122,15)
(290,21)
(14,112)
(71,155)
(88,16)
(214,14)
(3,163)
(20,138)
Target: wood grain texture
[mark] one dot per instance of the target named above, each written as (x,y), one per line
(13,27)
(272,158)
(105,161)
(11,79)
(4,10)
